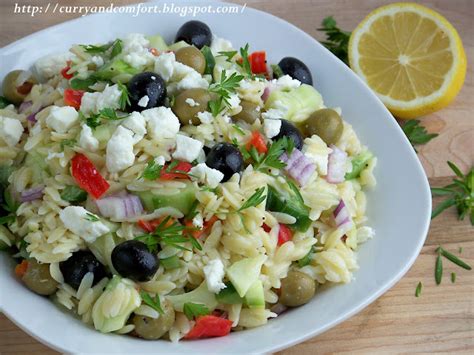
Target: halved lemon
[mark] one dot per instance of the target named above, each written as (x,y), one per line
(411,56)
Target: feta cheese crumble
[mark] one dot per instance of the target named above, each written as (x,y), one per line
(10,130)
(83,223)
(271,127)
(206,175)
(119,151)
(61,119)
(144,101)
(162,123)
(191,102)
(87,140)
(214,273)
(93,102)
(187,149)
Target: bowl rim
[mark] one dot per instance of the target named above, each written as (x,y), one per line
(387,284)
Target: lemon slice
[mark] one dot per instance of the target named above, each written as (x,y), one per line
(411,56)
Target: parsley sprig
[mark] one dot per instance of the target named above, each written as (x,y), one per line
(10,206)
(116,47)
(460,193)
(95,120)
(245,64)
(124,99)
(228,54)
(337,40)
(152,302)
(223,89)
(271,159)
(193,310)
(173,234)
(416,133)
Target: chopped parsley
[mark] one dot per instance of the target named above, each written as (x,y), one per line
(152,302)
(193,310)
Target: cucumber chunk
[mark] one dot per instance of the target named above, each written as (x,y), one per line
(199,295)
(245,272)
(182,201)
(158,43)
(255,297)
(300,102)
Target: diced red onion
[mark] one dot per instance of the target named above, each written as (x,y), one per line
(298,166)
(341,214)
(266,93)
(120,207)
(278,308)
(32,194)
(25,105)
(336,165)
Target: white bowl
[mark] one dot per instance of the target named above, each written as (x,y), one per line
(399,208)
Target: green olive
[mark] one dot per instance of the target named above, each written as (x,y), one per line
(296,289)
(249,112)
(326,123)
(152,329)
(14,92)
(192,57)
(38,279)
(188,103)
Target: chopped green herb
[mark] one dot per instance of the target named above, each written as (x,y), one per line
(67,143)
(10,206)
(223,89)
(94,49)
(245,65)
(238,129)
(306,260)
(418,289)
(438,269)
(453,258)
(152,170)
(152,302)
(124,100)
(253,201)
(453,277)
(92,217)
(337,41)
(359,163)
(95,120)
(73,193)
(116,48)
(210,60)
(82,84)
(4,102)
(216,106)
(192,310)
(460,194)
(172,235)
(228,54)
(272,158)
(416,133)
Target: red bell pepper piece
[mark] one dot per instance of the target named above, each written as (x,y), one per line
(64,71)
(176,172)
(87,176)
(73,98)
(209,326)
(150,226)
(284,234)
(197,233)
(258,62)
(257,141)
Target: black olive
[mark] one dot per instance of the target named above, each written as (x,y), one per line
(132,259)
(146,84)
(226,158)
(289,130)
(196,33)
(296,69)
(80,263)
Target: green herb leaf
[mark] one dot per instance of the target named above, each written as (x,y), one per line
(359,163)
(73,193)
(152,171)
(277,72)
(9,219)
(192,310)
(337,41)
(238,129)
(453,258)
(94,49)
(67,143)
(210,60)
(152,302)
(109,114)
(226,86)
(272,158)
(245,65)
(82,84)
(453,277)
(92,217)
(116,48)
(438,269)
(460,194)
(216,106)
(228,54)
(4,102)
(253,201)
(124,100)
(418,289)
(416,133)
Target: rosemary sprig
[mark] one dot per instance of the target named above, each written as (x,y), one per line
(253,201)
(438,269)
(460,194)
(453,258)
(453,277)
(419,287)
